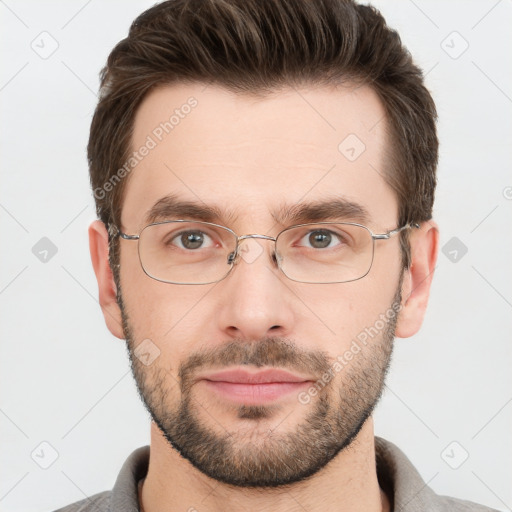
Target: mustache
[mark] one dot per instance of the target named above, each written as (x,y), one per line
(269,351)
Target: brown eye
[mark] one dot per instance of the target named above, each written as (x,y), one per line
(320,239)
(192,240)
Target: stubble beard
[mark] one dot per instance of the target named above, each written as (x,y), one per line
(269,457)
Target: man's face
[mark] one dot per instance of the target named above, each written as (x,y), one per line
(252,159)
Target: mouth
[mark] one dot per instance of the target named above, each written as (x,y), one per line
(254,388)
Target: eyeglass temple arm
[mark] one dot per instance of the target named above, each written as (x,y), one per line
(389,234)
(127,237)
(114,232)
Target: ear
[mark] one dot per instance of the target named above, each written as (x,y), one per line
(98,245)
(418,278)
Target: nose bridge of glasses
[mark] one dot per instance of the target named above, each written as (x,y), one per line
(248,251)
(263,237)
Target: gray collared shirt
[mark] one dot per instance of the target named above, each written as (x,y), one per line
(397,476)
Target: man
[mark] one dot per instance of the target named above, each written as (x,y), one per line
(264,175)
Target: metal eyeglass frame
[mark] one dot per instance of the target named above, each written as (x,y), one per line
(234,256)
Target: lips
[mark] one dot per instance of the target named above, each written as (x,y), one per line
(261,377)
(252,388)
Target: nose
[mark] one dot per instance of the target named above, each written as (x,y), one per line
(254,301)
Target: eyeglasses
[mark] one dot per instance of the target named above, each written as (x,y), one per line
(190,252)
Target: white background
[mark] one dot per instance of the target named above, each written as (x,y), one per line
(65,380)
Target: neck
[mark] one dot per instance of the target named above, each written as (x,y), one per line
(349,483)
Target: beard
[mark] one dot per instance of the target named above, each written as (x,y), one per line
(258,456)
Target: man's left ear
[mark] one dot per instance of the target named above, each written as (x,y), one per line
(418,278)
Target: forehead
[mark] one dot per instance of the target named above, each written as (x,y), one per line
(250,157)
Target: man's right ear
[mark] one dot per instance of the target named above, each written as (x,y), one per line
(98,245)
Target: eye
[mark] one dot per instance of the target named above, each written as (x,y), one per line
(320,239)
(191,240)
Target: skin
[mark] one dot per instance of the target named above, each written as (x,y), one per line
(250,155)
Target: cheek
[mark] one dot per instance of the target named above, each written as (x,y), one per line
(341,312)
(173,317)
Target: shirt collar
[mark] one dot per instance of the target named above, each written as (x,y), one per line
(405,488)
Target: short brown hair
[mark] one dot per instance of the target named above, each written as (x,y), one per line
(257,47)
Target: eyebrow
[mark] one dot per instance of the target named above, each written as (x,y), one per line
(330,209)
(171,207)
